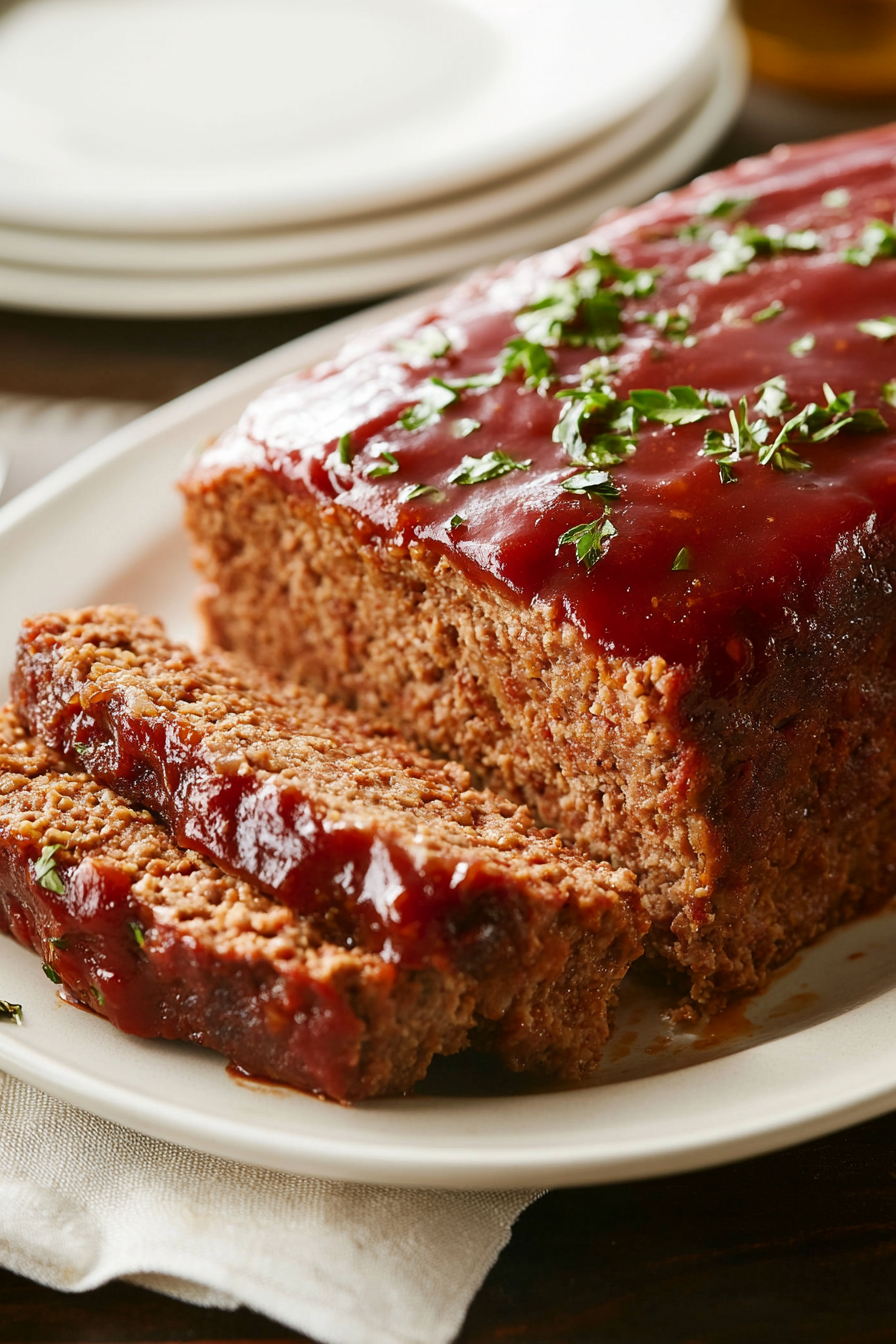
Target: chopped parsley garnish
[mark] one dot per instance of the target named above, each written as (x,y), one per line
(387,465)
(477,380)
(678,406)
(436,397)
(813,424)
(10,1012)
(139,935)
(878,239)
(835,199)
(430,343)
(773,309)
(888,392)
(51,974)
(409,492)
(589,539)
(595,428)
(682,560)
(720,207)
(457,520)
(476,470)
(82,749)
(584,308)
(733,252)
(592,483)
(60,944)
(98,995)
(463,427)
(774,400)
(882,327)
(802,345)
(673,323)
(344,450)
(530,358)
(46,872)
(713,207)
(748,437)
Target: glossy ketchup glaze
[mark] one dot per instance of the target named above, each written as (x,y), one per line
(759,548)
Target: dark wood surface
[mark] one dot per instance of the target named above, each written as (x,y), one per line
(798,1246)
(795,1248)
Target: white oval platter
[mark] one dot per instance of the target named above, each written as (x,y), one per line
(815,1052)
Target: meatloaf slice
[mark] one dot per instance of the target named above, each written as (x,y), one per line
(616,527)
(387,850)
(163,944)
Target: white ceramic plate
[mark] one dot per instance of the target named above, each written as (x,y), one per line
(670,160)
(813,1053)
(339,239)
(218,114)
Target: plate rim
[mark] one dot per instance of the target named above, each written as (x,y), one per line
(270,289)
(556,134)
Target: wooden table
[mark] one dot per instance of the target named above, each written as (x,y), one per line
(797,1246)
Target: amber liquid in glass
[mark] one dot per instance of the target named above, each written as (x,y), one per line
(844,48)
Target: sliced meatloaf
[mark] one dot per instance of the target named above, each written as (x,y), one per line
(451,895)
(615,527)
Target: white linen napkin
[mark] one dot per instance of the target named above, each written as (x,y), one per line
(83,1201)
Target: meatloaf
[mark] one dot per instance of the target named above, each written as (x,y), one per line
(614,527)
(442,909)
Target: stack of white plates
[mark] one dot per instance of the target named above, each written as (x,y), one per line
(221,156)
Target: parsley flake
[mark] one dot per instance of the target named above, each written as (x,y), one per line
(835,199)
(430,343)
(409,492)
(802,345)
(733,252)
(882,327)
(888,392)
(773,309)
(51,974)
(719,207)
(589,540)
(139,935)
(774,400)
(457,520)
(682,560)
(82,749)
(592,483)
(10,1012)
(98,995)
(476,470)
(673,323)
(344,449)
(595,428)
(529,358)
(584,308)
(436,397)
(678,406)
(46,872)
(60,944)
(464,427)
(387,465)
(878,239)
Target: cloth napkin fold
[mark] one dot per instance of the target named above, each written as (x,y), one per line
(83,1201)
